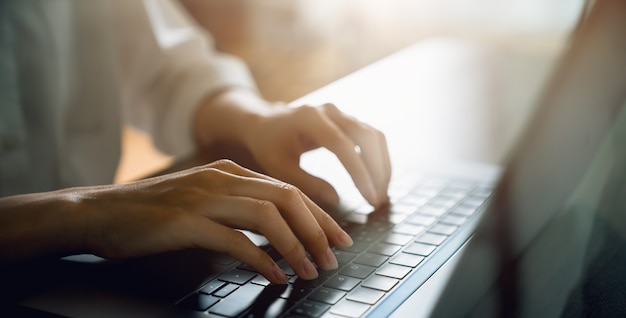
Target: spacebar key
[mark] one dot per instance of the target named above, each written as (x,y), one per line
(237,302)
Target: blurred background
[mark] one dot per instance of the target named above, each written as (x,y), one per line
(294,47)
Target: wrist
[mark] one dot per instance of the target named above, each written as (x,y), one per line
(229,117)
(41,224)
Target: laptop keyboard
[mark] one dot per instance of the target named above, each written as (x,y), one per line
(390,245)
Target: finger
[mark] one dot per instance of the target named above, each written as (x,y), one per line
(212,236)
(327,134)
(336,235)
(263,217)
(372,144)
(321,189)
(291,207)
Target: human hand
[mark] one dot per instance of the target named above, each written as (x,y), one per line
(199,208)
(278,139)
(277,136)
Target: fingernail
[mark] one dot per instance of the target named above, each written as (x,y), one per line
(309,270)
(344,239)
(278,276)
(330,262)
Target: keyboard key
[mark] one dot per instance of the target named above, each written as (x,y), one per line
(226,290)
(384,249)
(357,247)
(453,219)
(282,264)
(431,210)
(431,238)
(260,280)
(444,229)
(398,239)
(295,293)
(366,295)
(198,302)
(405,259)
(356,270)
(380,282)
(211,287)
(349,308)
(239,301)
(344,257)
(370,259)
(393,271)
(237,276)
(419,249)
(462,210)
(310,309)
(342,283)
(420,219)
(327,295)
(402,208)
(408,229)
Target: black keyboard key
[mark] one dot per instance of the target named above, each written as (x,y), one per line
(349,308)
(380,282)
(237,276)
(384,249)
(239,301)
(327,295)
(212,287)
(342,282)
(393,271)
(282,264)
(420,249)
(356,270)
(310,309)
(366,295)
(198,302)
(431,238)
(370,259)
(260,280)
(295,293)
(226,290)
(405,259)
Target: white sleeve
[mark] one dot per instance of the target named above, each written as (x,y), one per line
(167,67)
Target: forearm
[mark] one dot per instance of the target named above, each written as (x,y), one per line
(40,225)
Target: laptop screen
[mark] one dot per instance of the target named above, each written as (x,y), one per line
(552,241)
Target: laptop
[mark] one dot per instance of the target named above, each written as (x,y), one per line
(543,237)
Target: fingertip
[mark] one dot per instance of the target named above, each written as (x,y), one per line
(277,276)
(344,239)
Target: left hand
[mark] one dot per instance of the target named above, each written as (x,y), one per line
(277,136)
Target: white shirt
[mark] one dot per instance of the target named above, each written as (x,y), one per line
(72,72)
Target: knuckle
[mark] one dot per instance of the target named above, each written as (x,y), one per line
(266,210)
(290,192)
(223,163)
